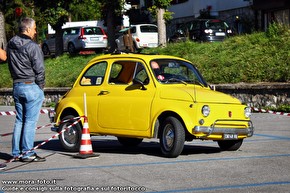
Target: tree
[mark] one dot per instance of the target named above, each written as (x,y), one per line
(55,13)
(58,12)
(3,40)
(10,13)
(159,9)
(111,13)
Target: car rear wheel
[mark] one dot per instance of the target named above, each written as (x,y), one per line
(71,49)
(70,139)
(172,137)
(131,142)
(231,145)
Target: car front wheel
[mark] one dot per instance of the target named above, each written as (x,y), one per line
(231,145)
(172,137)
(70,139)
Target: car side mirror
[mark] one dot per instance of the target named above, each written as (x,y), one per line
(140,83)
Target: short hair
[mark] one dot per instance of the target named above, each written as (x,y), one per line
(26,23)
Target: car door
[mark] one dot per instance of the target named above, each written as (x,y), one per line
(91,83)
(124,108)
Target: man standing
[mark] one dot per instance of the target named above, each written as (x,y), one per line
(26,65)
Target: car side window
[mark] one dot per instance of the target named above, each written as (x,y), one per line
(141,74)
(67,32)
(122,72)
(95,74)
(74,31)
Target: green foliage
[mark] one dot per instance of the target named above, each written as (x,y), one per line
(85,10)
(164,4)
(161,4)
(248,58)
(276,30)
(63,71)
(60,72)
(12,19)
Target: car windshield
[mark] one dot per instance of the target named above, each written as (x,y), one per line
(169,71)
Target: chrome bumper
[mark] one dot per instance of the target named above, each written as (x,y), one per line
(249,131)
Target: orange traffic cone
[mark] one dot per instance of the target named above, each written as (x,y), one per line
(86,149)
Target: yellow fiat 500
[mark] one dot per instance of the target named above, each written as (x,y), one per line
(136,96)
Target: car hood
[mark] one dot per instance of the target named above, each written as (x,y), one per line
(197,94)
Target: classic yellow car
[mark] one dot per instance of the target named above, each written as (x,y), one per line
(137,96)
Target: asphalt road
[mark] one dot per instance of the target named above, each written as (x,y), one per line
(262,164)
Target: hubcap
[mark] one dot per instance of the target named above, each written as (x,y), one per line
(168,137)
(70,137)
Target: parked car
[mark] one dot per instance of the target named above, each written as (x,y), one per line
(77,39)
(203,30)
(143,36)
(130,98)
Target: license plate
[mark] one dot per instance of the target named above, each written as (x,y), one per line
(152,45)
(95,39)
(220,34)
(230,136)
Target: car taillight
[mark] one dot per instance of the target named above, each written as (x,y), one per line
(104,34)
(137,40)
(82,34)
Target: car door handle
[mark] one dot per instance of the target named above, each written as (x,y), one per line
(104,92)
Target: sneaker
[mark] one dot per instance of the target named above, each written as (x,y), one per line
(2,166)
(33,158)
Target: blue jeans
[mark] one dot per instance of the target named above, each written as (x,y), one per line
(28,98)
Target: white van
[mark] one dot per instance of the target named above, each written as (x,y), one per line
(143,36)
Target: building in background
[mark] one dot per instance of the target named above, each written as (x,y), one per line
(244,16)
(238,14)
(269,11)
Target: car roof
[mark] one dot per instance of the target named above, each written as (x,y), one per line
(127,28)
(87,26)
(145,57)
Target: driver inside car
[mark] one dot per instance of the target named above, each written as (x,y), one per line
(156,68)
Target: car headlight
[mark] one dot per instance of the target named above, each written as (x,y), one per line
(247,112)
(205,110)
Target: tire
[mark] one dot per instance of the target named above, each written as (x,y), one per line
(172,137)
(71,138)
(71,49)
(45,49)
(231,145)
(130,142)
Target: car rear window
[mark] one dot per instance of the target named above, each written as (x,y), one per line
(148,28)
(93,31)
(215,24)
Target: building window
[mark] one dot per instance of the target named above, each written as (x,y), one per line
(173,2)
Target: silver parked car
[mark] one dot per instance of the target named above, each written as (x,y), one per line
(143,36)
(77,39)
